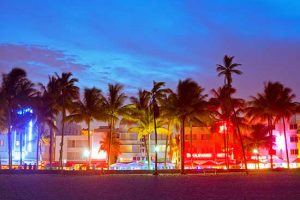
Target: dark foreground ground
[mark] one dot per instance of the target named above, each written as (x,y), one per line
(266,185)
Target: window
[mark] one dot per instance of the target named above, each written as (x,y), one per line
(294,151)
(293,126)
(294,138)
(17,143)
(1,143)
(81,143)
(71,143)
(205,136)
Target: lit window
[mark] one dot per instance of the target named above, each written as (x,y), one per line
(294,151)
(293,126)
(17,143)
(294,139)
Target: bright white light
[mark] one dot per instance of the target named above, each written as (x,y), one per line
(280,142)
(156,149)
(255,151)
(98,155)
(86,153)
(30,136)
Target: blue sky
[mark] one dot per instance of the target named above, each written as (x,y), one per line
(136,42)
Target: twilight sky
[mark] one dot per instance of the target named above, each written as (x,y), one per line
(136,42)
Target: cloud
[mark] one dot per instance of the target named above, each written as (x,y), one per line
(38,61)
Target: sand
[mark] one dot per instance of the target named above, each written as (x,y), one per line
(271,185)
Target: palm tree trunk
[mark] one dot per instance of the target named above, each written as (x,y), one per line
(50,148)
(155,148)
(38,147)
(112,127)
(271,135)
(224,138)
(191,143)
(89,146)
(9,138)
(182,145)
(145,145)
(149,151)
(166,147)
(62,138)
(286,147)
(240,135)
(227,147)
(21,149)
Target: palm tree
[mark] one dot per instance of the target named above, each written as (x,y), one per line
(67,94)
(50,94)
(157,93)
(227,69)
(139,111)
(187,100)
(169,115)
(271,106)
(44,117)
(16,91)
(144,127)
(286,109)
(114,107)
(87,111)
(114,142)
(220,106)
(259,138)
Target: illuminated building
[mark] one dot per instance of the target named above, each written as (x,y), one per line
(208,146)
(24,137)
(133,149)
(76,149)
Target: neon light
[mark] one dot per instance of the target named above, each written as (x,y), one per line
(199,155)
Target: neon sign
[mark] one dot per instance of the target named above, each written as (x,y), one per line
(199,155)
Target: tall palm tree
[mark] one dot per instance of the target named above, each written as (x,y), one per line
(138,111)
(286,109)
(157,93)
(259,138)
(187,100)
(88,110)
(50,94)
(227,69)
(144,127)
(115,146)
(114,106)
(68,93)
(221,107)
(16,90)
(44,118)
(169,115)
(271,106)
